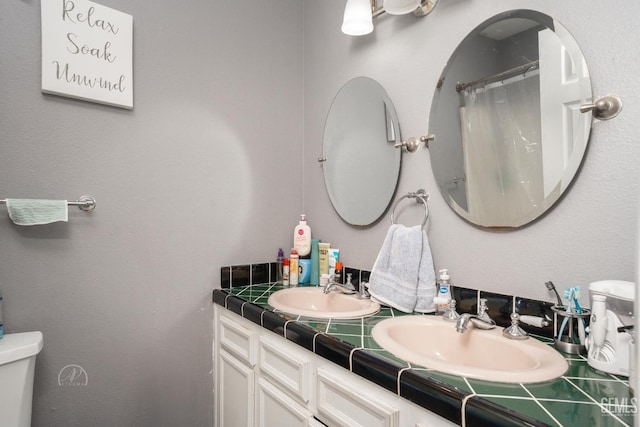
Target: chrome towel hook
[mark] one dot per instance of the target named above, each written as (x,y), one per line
(421,196)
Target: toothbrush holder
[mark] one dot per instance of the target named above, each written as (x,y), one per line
(567,338)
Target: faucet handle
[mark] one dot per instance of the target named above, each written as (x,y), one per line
(482,311)
(482,307)
(362,290)
(515,332)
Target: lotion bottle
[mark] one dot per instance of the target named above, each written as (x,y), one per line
(302,237)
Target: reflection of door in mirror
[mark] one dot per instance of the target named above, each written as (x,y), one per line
(562,85)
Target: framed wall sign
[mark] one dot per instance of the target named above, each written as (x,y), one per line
(87,52)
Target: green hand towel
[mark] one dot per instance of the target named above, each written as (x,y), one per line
(37,212)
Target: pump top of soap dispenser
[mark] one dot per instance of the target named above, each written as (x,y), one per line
(444,275)
(303,219)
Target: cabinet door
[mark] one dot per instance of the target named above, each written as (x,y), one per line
(275,408)
(235,392)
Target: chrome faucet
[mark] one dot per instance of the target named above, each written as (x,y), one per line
(480,320)
(346,288)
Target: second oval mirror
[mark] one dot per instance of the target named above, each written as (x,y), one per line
(360,163)
(509,134)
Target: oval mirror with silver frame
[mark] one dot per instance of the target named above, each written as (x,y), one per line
(509,133)
(361,166)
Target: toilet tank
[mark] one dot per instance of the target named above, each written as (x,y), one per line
(17,364)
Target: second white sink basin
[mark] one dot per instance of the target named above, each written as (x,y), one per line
(312,302)
(434,343)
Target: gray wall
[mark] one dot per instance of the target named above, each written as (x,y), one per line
(191,179)
(590,235)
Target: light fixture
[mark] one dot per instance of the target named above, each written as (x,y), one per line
(358,18)
(400,7)
(359,14)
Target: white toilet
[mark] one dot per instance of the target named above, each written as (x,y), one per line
(17,364)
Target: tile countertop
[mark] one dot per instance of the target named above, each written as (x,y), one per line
(581,397)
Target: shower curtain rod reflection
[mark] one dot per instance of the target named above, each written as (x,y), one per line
(500,76)
(86,203)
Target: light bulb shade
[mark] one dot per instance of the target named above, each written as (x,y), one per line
(400,7)
(358,19)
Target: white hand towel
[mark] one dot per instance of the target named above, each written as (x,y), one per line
(426,290)
(37,212)
(394,277)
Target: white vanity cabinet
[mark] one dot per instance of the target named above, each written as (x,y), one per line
(262,379)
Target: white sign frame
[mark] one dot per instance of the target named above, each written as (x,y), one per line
(87,52)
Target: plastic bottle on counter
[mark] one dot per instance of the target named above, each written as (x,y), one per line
(279,265)
(293,268)
(302,237)
(285,272)
(337,275)
(444,291)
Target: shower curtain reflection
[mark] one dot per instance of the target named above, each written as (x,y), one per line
(501,141)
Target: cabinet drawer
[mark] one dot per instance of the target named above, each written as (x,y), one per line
(343,403)
(237,339)
(286,367)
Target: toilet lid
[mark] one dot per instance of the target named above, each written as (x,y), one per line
(19,346)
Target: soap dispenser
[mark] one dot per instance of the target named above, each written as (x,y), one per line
(302,237)
(444,292)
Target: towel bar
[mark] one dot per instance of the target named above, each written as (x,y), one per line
(86,203)
(420,196)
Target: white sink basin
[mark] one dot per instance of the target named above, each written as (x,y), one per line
(434,343)
(312,302)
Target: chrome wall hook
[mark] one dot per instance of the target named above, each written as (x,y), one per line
(604,108)
(412,144)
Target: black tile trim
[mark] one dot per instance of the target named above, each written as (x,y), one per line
(219,297)
(379,370)
(481,412)
(253,312)
(234,304)
(432,394)
(301,335)
(333,349)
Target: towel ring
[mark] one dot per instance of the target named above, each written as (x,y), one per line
(420,196)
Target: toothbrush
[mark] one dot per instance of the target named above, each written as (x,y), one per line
(567,295)
(581,325)
(552,287)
